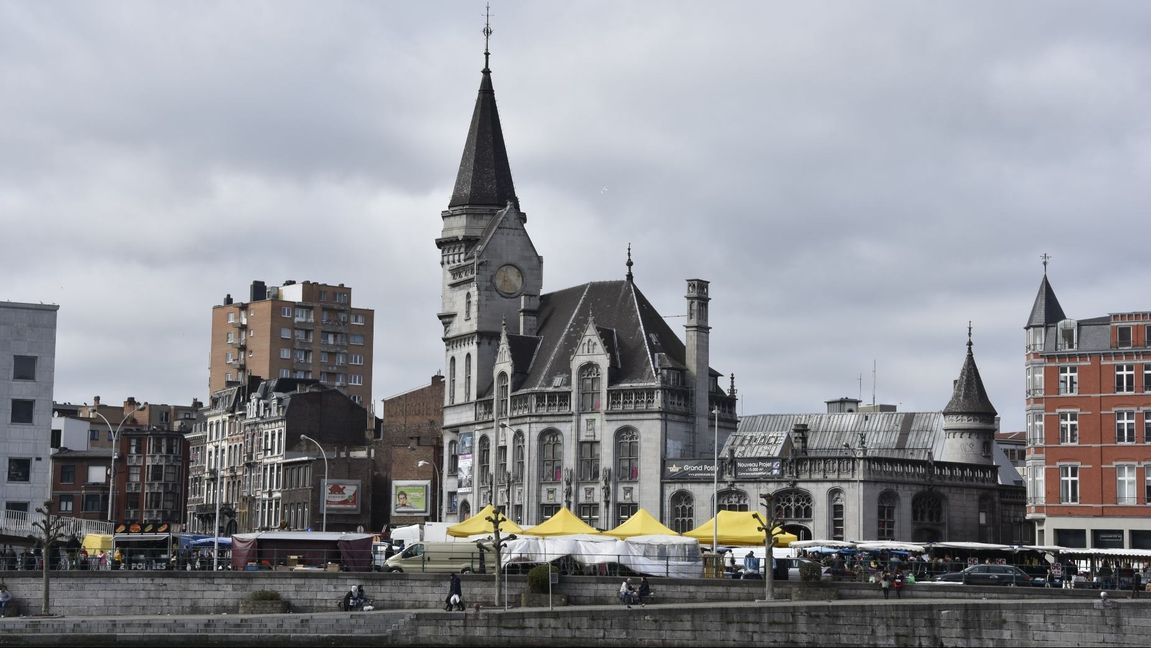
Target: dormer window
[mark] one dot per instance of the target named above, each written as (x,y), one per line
(1068,332)
(1123,337)
(589,384)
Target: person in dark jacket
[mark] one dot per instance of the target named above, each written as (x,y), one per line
(644,592)
(455,600)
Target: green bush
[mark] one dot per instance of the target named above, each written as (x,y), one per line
(810,572)
(538,579)
(264,595)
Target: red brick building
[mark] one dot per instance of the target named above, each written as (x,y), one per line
(410,452)
(1088,426)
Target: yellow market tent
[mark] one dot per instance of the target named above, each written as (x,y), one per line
(95,542)
(739,528)
(640,524)
(479,523)
(562,523)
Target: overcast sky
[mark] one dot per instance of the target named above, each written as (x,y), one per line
(856,179)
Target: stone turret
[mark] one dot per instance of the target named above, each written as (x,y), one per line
(969,420)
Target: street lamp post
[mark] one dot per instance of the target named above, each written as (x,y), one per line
(115,453)
(439,500)
(324,490)
(715,488)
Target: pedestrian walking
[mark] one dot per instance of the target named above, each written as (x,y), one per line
(885,584)
(897,583)
(5,599)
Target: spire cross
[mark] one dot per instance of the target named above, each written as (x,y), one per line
(629,263)
(487,34)
(1046,257)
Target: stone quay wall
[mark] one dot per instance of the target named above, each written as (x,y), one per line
(926,622)
(112,593)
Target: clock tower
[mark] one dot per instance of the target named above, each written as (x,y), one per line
(490,267)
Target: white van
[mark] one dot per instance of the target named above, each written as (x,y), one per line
(442,558)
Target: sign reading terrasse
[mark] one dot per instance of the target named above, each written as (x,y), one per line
(702,469)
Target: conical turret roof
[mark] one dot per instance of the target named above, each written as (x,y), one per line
(970,397)
(485,177)
(1046,309)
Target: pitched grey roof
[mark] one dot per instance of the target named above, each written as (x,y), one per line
(901,434)
(969,396)
(1046,309)
(485,177)
(631,328)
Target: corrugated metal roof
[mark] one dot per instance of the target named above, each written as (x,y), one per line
(885,433)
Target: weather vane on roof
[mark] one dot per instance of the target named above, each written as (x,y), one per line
(487,33)
(1046,257)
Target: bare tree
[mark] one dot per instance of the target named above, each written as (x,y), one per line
(51,529)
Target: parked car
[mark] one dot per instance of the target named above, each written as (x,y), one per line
(989,575)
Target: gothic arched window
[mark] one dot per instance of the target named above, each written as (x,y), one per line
(501,395)
(551,456)
(468,306)
(589,388)
(793,505)
(682,512)
(485,460)
(465,510)
(627,454)
(733,500)
(927,508)
(452,382)
(518,457)
(467,377)
(888,503)
(836,514)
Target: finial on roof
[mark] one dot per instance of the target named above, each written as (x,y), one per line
(969,336)
(629,263)
(1046,257)
(487,34)
(731,390)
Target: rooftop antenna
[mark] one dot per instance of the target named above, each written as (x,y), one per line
(861,386)
(487,34)
(873,373)
(1046,257)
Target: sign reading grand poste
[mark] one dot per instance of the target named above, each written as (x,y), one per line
(702,469)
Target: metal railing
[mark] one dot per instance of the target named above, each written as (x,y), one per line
(20,523)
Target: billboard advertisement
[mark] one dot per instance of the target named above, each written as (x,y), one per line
(342,495)
(464,474)
(410,497)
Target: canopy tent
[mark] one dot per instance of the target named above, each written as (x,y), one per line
(96,542)
(563,523)
(641,523)
(480,524)
(653,555)
(740,528)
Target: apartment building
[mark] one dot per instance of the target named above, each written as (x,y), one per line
(306,331)
(1088,426)
(27,377)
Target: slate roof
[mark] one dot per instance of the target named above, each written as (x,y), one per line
(632,330)
(485,177)
(969,396)
(1046,309)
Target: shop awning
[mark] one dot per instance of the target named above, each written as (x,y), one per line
(479,524)
(95,542)
(641,523)
(740,528)
(562,523)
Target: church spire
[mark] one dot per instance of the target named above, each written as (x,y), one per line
(1046,310)
(485,177)
(969,396)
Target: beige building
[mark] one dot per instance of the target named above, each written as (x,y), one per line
(305,330)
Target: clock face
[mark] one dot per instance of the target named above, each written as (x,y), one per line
(509,280)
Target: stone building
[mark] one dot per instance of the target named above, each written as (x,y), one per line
(249,454)
(863,474)
(569,398)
